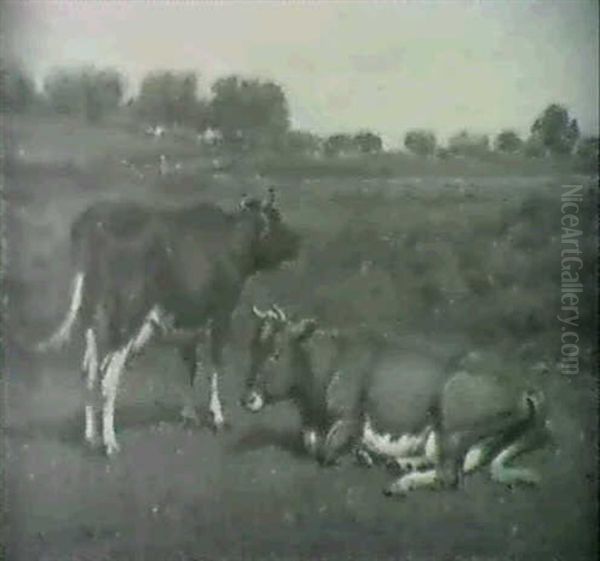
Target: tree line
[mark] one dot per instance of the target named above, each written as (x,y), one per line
(250,113)
(554,132)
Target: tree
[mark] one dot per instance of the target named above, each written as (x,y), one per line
(557,132)
(169,98)
(588,152)
(368,143)
(201,118)
(17,90)
(338,145)
(87,91)
(249,112)
(303,143)
(533,147)
(508,141)
(420,142)
(465,143)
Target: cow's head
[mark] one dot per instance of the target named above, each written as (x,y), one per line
(275,242)
(275,365)
(281,357)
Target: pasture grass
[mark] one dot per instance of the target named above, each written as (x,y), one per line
(476,258)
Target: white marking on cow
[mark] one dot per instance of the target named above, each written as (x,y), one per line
(90,367)
(113,365)
(91,435)
(431,447)
(90,356)
(363,457)
(400,451)
(146,332)
(510,475)
(254,402)
(62,335)
(214,406)
(387,445)
(104,362)
(473,458)
(110,383)
(413,481)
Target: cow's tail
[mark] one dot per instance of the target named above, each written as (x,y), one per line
(62,335)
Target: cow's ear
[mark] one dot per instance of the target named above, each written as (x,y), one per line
(304,329)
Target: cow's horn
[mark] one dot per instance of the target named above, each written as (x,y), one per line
(280,313)
(258,313)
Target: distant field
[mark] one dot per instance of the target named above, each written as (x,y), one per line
(48,140)
(468,257)
(52,140)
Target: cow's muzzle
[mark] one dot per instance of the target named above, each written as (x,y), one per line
(253,401)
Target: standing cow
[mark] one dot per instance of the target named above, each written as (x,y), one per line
(140,272)
(386,401)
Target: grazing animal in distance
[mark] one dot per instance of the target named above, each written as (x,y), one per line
(385,401)
(141,273)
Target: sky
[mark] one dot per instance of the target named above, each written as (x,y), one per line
(386,66)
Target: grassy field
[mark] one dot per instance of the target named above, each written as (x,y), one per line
(470,259)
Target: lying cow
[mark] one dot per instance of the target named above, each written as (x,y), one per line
(140,272)
(385,401)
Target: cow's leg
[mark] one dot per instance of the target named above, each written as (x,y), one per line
(411,463)
(412,481)
(114,363)
(217,340)
(363,457)
(310,440)
(428,458)
(89,369)
(475,457)
(215,408)
(450,453)
(340,438)
(191,357)
(506,475)
(479,454)
(147,331)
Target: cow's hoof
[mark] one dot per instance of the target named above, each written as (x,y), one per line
(513,477)
(310,441)
(399,487)
(189,416)
(218,425)
(393,491)
(111,449)
(93,442)
(363,458)
(189,424)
